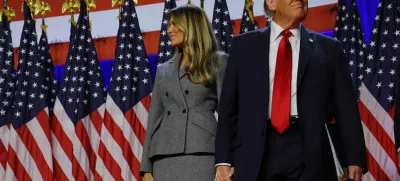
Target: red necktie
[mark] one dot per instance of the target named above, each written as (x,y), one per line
(280,112)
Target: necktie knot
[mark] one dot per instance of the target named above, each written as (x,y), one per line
(286,33)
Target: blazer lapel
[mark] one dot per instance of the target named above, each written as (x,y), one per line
(306,47)
(175,83)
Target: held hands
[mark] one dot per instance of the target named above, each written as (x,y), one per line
(147,177)
(224,173)
(355,173)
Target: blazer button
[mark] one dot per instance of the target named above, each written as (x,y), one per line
(184,111)
(166,93)
(186,92)
(169,113)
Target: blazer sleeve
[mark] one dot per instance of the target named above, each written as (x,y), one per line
(219,74)
(228,108)
(346,112)
(156,111)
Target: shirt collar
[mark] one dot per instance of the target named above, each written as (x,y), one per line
(276,30)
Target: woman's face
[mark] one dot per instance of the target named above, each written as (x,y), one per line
(175,34)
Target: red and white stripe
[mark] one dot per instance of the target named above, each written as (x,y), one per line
(75,147)
(123,138)
(378,127)
(4,139)
(29,151)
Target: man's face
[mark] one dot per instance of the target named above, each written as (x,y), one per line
(289,9)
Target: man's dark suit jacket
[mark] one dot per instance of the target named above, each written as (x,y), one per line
(323,86)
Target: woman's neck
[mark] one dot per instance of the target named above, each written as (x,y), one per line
(184,60)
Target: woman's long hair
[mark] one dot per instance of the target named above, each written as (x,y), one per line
(199,42)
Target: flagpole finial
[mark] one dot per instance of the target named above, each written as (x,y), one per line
(120,2)
(71,6)
(90,4)
(42,8)
(5,4)
(8,11)
(189,2)
(249,6)
(202,4)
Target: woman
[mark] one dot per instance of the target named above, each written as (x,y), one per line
(181,129)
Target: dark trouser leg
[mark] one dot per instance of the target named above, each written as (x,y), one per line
(282,159)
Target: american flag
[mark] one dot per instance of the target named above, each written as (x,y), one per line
(29,151)
(222,25)
(248,21)
(375,79)
(50,87)
(348,30)
(79,109)
(7,88)
(378,92)
(164,47)
(128,101)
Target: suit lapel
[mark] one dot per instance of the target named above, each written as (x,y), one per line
(306,47)
(261,66)
(175,83)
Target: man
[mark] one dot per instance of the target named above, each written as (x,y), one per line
(281,85)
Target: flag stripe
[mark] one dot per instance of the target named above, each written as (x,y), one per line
(66,144)
(78,171)
(103,173)
(141,111)
(112,133)
(377,131)
(22,153)
(374,168)
(129,134)
(31,145)
(130,144)
(146,101)
(63,119)
(93,130)
(16,169)
(379,154)
(377,110)
(87,154)
(150,16)
(368,177)
(109,163)
(43,120)
(62,138)
(136,124)
(59,176)
(62,164)
(40,143)
(4,136)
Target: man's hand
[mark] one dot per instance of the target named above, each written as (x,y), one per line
(355,173)
(224,173)
(147,177)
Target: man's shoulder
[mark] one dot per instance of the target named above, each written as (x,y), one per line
(324,39)
(250,35)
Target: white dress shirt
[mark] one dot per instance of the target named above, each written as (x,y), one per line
(275,39)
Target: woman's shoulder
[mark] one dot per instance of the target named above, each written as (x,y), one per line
(220,58)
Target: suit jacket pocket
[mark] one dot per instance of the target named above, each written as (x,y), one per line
(156,125)
(206,122)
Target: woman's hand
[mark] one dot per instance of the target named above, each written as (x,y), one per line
(147,177)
